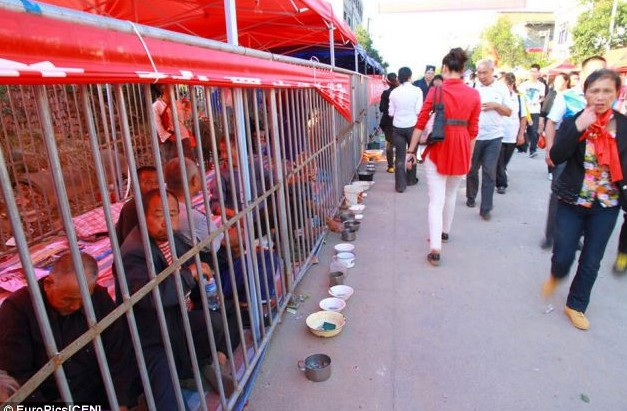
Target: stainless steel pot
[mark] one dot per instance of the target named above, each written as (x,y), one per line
(317,367)
(336,278)
(346,215)
(352,225)
(348,235)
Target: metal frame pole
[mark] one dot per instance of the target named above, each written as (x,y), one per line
(68,225)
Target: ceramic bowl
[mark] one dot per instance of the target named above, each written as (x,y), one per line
(332,304)
(344,248)
(341,291)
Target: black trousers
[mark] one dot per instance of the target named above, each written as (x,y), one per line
(507,149)
(402,176)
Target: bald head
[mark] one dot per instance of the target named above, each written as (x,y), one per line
(61,286)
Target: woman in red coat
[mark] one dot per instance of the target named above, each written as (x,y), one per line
(448,161)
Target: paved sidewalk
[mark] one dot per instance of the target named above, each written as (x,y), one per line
(472,334)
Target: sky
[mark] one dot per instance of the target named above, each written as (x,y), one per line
(418,39)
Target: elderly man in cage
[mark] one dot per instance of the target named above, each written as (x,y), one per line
(136,272)
(231,189)
(23,350)
(266,260)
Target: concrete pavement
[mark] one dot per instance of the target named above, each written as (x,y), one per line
(472,334)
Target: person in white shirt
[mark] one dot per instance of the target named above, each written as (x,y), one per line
(164,123)
(513,130)
(534,90)
(485,155)
(405,104)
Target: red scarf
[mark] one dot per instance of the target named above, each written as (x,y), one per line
(604,144)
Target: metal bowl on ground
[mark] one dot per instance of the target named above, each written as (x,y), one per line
(346,215)
(348,235)
(352,225)
(365,175)
(325,323)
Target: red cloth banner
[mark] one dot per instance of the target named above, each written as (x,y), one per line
(40,50)
(376,86)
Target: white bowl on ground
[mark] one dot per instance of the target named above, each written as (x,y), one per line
(332,304)
(344,248)
(341,291)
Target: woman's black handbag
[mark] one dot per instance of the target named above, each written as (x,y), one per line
(437,132)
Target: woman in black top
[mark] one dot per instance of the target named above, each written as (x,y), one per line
(593,144)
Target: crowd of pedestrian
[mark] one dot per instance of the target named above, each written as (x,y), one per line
(577,117)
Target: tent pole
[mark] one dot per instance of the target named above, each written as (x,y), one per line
(332,45)
(231,22)
(240,133)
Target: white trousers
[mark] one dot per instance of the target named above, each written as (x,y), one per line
(442,196)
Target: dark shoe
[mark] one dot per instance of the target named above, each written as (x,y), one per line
(500,190)
(546,244)
(400,191)
(471,203)
(433,259)
(485,215)
(413,183)
(445,237)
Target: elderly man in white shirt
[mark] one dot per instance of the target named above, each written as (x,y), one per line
(405,104)
(485,155)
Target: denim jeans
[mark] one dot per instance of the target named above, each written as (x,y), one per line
(596,225)
(549,232)
(486,156)
(402,176)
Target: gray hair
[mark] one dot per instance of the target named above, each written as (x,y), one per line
(487,62)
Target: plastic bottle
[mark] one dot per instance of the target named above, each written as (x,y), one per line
(212,295)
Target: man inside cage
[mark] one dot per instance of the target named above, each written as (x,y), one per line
(193,280)
(23,350)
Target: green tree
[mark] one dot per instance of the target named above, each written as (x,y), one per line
(363,37)
(503,45)
(592,32)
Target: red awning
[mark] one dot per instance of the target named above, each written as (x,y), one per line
(42,50)
(564,66)
(261,24)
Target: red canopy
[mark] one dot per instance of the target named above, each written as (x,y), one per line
(261,24)
(40,50)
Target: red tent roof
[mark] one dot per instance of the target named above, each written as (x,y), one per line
(261,24)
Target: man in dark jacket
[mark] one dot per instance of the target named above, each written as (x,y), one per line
(137,275)
(22,348)
(386,121)
(426,82)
